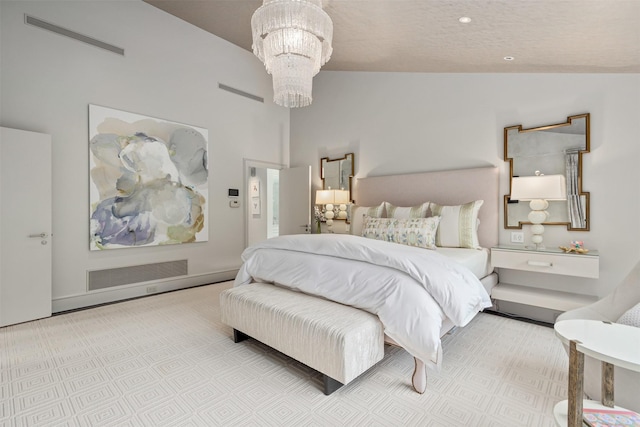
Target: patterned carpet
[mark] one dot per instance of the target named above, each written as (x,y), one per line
(166,360)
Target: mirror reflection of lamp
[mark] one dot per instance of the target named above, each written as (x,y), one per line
(342,199)
(538,190)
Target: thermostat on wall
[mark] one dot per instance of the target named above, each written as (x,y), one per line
(233,192)
(234,203)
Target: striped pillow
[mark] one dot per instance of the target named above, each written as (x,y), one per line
(458,225)
(419,211)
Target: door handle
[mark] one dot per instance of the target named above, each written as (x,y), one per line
(38,236)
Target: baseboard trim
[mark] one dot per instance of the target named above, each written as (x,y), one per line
(120,293)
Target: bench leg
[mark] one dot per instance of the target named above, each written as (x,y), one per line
(239,336)
(330,385)
(419,378)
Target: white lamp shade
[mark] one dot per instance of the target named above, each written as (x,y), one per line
(547,187)
(341,197)
(324,197)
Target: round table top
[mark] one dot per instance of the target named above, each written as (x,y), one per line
(610,342)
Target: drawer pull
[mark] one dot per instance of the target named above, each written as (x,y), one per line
(540,264)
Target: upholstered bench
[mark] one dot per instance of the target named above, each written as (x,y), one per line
(338,341)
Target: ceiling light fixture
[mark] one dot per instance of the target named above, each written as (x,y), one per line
(509,58)
(465,19)
(293,40)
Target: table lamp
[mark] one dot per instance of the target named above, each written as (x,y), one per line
(327,198)
(538,189)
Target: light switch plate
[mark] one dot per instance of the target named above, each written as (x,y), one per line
(517,237)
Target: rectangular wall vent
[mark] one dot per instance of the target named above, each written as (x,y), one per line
(240,92)
(72,34)
(101,279)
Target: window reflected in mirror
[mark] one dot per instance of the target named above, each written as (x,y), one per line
(549,150)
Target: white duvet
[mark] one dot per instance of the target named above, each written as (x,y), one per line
(412,290)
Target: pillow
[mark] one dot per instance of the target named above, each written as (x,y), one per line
(631,317)
(420,232)
(357,216)
(458,225)
(419,211)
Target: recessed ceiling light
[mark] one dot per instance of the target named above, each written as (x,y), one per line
(465,19)
(509,58)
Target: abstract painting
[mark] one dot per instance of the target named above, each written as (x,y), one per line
(149,180)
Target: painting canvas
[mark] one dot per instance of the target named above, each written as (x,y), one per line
(149,180)
(255,206)
(255,188)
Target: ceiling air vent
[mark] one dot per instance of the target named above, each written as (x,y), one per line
(30,20)
(240,92)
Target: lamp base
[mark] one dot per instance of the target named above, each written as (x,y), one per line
(537,216)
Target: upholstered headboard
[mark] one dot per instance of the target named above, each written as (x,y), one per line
(452,187)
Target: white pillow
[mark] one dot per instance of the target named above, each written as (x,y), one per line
(631,317)
(419,211)
(357,216)
(420,232)
(458,225)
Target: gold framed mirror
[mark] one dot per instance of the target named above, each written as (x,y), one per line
(549,150)
(337,174)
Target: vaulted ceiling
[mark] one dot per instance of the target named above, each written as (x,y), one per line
(542,36)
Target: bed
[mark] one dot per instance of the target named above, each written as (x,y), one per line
(418,294)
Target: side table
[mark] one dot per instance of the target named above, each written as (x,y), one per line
(613,344)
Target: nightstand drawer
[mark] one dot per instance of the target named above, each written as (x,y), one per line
(545,262)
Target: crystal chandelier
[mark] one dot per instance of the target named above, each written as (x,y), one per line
(293,39)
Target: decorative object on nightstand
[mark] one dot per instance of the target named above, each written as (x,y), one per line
(576,246)
(319,217)
(538,189)
(576,250)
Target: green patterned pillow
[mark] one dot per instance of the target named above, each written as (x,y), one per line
(420,232)
(419,211)
(458,225)
(358,213)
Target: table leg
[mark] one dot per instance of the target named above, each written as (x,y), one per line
(576,389)
(607,384)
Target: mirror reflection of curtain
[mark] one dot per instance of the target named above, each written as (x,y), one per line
(574,202)
(345,172)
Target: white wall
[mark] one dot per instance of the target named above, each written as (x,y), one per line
(401,123)
(170,70)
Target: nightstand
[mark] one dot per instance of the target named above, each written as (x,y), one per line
(546,261)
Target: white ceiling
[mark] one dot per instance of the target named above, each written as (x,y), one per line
(544,36)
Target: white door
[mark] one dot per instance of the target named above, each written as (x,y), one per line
(25,226)
(295,200)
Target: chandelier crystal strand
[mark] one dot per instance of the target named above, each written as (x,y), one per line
(293,40)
